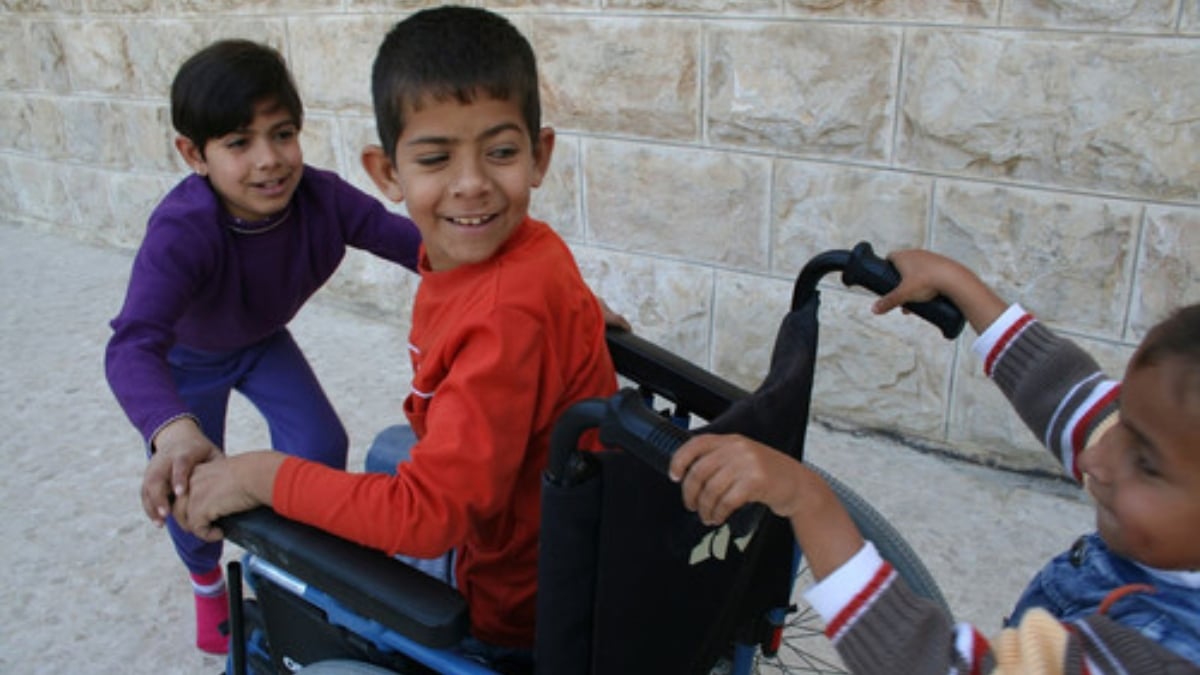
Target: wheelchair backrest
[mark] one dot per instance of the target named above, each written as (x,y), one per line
(630,581)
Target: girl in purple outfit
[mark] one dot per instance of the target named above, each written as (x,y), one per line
(229,256)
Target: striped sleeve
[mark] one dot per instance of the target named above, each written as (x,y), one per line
(878,625)
(850,590)
(1057,389)
(996,339)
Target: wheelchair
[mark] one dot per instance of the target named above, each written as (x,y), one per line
(629,581)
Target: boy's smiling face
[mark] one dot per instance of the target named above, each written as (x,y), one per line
(1144,472)
(465,171)
(255,169)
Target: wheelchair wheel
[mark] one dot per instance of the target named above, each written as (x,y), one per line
(804,648)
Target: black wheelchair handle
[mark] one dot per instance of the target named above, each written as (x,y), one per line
(864,268)
(639,430)
(654,439)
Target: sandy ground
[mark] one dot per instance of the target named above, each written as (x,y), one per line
(90,586)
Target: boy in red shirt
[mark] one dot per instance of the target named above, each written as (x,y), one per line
(505,334)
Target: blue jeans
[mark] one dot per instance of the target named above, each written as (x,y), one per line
(274,375)
(391,447)
(1074,584)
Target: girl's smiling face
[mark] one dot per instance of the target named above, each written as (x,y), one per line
(465,172)
(255,169)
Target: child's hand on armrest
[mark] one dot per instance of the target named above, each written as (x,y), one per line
(177,447)
(227,485)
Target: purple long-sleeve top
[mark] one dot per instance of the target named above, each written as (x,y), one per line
(199,283)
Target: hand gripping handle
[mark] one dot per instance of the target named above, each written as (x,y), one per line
(878,275)
(654,439)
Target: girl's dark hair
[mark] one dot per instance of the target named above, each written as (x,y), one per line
(448,53)
(216,89)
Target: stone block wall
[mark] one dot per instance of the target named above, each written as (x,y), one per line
(707,148)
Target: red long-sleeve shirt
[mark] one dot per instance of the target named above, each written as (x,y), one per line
(500,349)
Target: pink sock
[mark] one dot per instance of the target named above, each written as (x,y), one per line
(212,608)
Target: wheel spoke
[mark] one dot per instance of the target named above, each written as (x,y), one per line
(804,647)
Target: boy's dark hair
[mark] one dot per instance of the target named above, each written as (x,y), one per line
(215,90)
(448,53)
(1177,336)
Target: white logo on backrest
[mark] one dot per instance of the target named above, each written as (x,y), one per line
(715,544)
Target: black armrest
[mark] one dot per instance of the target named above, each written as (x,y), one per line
(367,582)
(693,388)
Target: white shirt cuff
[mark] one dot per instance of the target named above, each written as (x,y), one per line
(987,340)
(830,595)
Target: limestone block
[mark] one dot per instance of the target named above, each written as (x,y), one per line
(134,197)
(149,136)
(810,89)
(34,124)
(1113,114)
(925,11)
(983,423)
(504,5)
(159,48)
(557,200)
(141,57)
(888,372)
(121,6)
(45,55)
(97,56)
(817,207)
(1119,15)
(1190,21)
(746,317)
(1168,275)
(117,133)
(17,57)
(319,142)
(727,7)
(88,205)
(331,59)
(41,194)
(95,132)
(14,122)
(698,204)
(396,8)
(1060,255)
(619,75)
(668,302)
(33,6)
(283,7)
(9,199)
(984,426)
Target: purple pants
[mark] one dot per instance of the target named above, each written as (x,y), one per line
(274,375)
